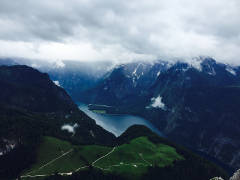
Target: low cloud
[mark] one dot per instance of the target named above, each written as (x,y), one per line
(156,102)
(59,64)
(70,128)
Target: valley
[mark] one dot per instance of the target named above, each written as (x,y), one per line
(119,90)
(64,140)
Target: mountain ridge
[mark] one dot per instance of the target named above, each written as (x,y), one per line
(193,105)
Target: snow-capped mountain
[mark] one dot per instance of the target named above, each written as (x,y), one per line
(194,104)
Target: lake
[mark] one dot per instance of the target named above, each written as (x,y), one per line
(117,124)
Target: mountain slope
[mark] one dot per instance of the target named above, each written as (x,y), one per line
(193,104)
(74,76)
(125,83)
(32,106)
(139,154)
(26,88)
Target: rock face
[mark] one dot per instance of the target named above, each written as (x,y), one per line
(236,175)
(193,104)
(217,178)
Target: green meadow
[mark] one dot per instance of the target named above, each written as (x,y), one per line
(130,159)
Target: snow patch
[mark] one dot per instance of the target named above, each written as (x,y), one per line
(69,128)
(231,70)
(92,134)
(135,74)
(196,63)
(57,83)
(212,72)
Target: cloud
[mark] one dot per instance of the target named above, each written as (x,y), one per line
(156,102)
(69,128)
(120,30)
(59,64)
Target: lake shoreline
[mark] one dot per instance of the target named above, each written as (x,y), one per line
(117,123)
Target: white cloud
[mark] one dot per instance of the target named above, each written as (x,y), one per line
(156,102)
(34,65)
(120,30)
(59,64)
(70,128)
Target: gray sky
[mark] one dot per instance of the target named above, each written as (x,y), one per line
(120,30)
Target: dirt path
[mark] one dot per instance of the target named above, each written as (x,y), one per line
(144,159)
(69,173)
(50,162)
(146,163)
(104,156)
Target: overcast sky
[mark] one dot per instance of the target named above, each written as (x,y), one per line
(120,30)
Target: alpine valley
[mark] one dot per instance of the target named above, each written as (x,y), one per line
(44,135)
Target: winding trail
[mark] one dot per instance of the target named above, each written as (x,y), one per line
(146,163)
(50,162)
(64,154)
(69,173)
(140,154)
(104,156)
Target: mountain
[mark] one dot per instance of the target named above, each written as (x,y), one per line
(193,104)
(26,88)
(43,133)
(32,106)
(74,76)
(126,83)
(77,77)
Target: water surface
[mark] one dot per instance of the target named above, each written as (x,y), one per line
(117,124)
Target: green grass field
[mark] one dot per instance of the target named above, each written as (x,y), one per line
(134,158)
(131,159)
(53,148)
(99,111)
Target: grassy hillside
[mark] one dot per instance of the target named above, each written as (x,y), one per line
(139,154)
(129,160)
(134,158)
(56,155)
